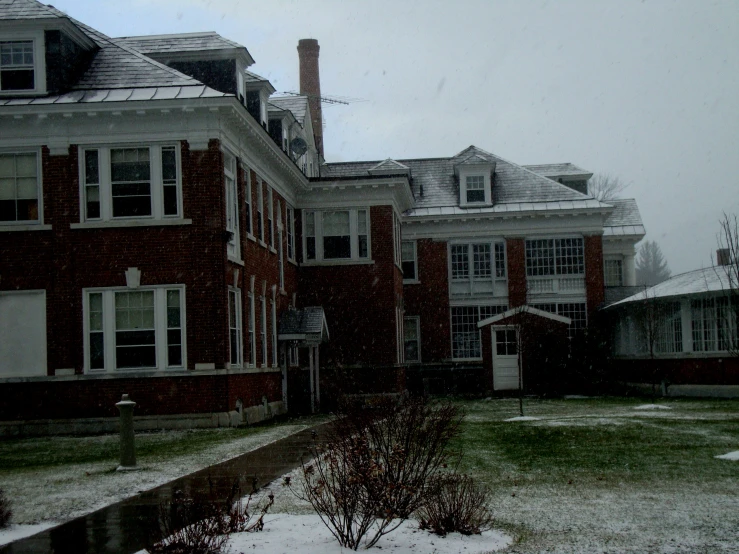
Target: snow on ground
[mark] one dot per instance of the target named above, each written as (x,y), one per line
(61,493)
(579,422)
(734,456)
(652,407)
(523,418)
(16,532)
(287,533)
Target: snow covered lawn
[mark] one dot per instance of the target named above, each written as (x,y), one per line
(55,479)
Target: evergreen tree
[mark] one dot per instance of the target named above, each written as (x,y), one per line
(651,266)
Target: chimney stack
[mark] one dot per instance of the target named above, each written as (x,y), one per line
(310,85)
(723,256)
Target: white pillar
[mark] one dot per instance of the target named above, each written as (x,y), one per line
(312,385)
(629,270)
(318,381)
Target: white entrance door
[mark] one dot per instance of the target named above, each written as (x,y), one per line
(22,334)
(505,359)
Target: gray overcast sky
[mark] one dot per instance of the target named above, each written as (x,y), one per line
(644,90)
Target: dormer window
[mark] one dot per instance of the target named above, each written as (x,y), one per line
(22,64)
(475,188)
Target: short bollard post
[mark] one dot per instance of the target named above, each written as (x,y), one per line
(128,448)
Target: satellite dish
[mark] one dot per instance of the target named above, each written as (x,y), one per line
(298,146)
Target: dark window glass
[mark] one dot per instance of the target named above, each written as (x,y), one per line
(96,351)
(336,247)
(409,270)
(170,200)
(475,196)
(310,243)
(18,79)
(92,171)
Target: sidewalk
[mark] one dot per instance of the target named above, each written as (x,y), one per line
(124,527)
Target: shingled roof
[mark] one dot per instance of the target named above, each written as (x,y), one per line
(435,188)
(559,170)
(184,42)
(624,220)
(306,324)
(27,9)
(298,105)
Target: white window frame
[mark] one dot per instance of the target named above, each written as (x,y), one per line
(610,272)
(271,217)
(413,260)
(39,187)
(263,332)
(280,247)
(556,246)
(274,326)
(485,174)
(413,321)
(470,256)
(109,327)
(353,237)
(397,240)
(235,309)
(104,184)
(252,330)
(39,61)
(260,211)
(231,183)
(290,219)
(248,204)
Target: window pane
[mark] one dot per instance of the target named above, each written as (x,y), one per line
(336,247)
(465,334)
(310,246)
(97,359)
(20,79)
(362,222)
(539,257)
(481,257)
(500,259)
(170,200)
(335,223)
(169,164)
(363,250)
(26,165)
(92,171)
(460,263)
(475,195)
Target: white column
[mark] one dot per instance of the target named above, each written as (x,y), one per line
(318,381)
(686,320)
(312,385)
(629,270)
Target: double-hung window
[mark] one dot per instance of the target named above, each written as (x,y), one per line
(263,333)
(232,205)
(20,188)
(465,333)
(260,211)
(280,247)
(248,203)
(397,241)
(409,261)
(412,339)
(252,331)
(336,235)
(475,188)
(270,218)
(613,270)
(141,182)
(234,327)
(714,325)
(290,224)
(483,261)
(22,64)
(135,329)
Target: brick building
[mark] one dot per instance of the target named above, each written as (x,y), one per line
(165,222)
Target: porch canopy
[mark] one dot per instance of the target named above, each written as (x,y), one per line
(307,326)
(500,318)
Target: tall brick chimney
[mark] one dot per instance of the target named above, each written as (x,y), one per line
(310,85)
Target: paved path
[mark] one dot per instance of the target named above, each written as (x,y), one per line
(124,527)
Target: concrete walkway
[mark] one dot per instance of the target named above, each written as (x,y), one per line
(125,527)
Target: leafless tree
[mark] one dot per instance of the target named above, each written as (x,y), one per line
(606,187)
(651,266)
(652,318)
(728,242)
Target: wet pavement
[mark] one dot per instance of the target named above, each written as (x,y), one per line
(127,526)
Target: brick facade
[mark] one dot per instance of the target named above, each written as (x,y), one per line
(516,256)
(594,279)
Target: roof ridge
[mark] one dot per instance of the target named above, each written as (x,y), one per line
(49,8)
(169,35)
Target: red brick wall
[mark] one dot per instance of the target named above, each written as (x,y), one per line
(359,300)
(594,279)
(516,254)
(430,300)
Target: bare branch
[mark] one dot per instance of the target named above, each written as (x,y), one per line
(604,187)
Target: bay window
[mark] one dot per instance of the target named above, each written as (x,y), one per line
(131,183)
(336,235)
(134,329)
(20,188)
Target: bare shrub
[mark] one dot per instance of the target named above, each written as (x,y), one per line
(5,512)
(455,503)
(202,524)
(373,471)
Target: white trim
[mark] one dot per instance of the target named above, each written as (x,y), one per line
(108,320)
(39,61)
(520,310)
(130,223)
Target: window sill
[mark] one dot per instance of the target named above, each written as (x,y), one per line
(25,227)
(272,249)
(337,262)
(294,262)
(411,282)
(236,261)
(251,237)
(283,292)
(262,243)
(130,223)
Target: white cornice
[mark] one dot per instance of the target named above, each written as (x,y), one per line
(353,192)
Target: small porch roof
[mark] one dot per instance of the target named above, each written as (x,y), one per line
(524,310)
(306,325)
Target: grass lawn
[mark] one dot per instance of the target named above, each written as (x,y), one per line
(604,475)
(58,478)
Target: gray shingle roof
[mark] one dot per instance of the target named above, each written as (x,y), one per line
(298,105)
(185,42)
(27,9)
(308,323)
(513,184)
(118,95)
(699,281)
(559,170)
(624,220)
